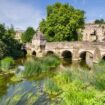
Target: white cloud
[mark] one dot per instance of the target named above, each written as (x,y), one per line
(19,14)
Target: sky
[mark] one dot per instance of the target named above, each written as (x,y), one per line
(24,13)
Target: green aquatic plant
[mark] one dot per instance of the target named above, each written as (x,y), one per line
(72,86)
(51,61)
(3,86)
(26,98)
(32,68)
(70,75)
(51,87)
(63,77)
(7,63)
(42,65)
(75,95)
(76,90)
(99,76)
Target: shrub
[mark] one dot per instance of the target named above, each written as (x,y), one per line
(7,63)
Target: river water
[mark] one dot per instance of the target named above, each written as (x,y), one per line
(30,91)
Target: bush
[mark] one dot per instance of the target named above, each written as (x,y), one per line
(7,63)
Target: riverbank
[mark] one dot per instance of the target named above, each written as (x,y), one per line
(62,84)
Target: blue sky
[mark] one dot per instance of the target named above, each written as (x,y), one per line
(24,13)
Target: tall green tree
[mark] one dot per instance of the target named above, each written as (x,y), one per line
(11,31)
(3,49)
(28,35)
(8,45)
(62,22)
(2,31)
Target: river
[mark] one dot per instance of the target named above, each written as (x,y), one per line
(30,91)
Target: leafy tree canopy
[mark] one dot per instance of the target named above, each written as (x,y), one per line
(8,45)
(11,31)
(28,35)
(99,21)
(62,22)
(2,49)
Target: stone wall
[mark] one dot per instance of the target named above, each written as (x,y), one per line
(94,32)
(94,50)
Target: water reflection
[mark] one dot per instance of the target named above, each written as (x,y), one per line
(23,60)
(65,62)
(20,93)
(75,64)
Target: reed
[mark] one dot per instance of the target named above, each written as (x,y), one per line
(38,66)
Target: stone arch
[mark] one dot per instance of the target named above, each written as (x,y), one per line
(66,54)
(34,53)
(24,52)
(89,51)
(83,55)
(50,52)
(103,57)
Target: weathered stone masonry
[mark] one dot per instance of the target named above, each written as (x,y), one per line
(94,51)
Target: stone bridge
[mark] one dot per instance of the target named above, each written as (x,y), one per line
(90,51)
